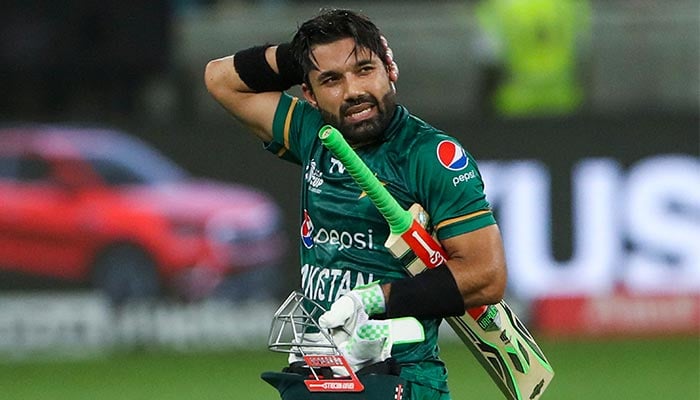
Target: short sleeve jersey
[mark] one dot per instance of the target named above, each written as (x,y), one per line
(342,234)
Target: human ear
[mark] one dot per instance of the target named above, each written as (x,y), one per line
(309,95)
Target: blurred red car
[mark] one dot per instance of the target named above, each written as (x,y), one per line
(99,207)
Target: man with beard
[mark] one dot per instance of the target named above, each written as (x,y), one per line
(347,75)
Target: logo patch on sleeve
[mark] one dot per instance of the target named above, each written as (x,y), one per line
(452,156)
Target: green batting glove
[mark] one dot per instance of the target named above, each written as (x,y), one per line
(372,341)
(355,307)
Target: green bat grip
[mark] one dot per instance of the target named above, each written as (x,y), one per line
(399,220)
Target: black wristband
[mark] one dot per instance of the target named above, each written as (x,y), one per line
(253,69)
(290,70)
(431,294)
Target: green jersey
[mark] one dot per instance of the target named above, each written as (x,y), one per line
(342,234)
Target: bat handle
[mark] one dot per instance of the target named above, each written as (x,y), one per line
(399,219)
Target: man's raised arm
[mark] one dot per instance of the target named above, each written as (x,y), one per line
(249,84)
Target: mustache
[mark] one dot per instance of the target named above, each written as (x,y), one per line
(365,98)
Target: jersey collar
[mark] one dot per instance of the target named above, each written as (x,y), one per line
(398,121)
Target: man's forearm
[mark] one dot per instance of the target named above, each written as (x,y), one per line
(431,294)
(248,85)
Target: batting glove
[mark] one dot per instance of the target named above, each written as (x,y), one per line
(372,341)
(354,308)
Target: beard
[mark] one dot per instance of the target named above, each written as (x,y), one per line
(367,131)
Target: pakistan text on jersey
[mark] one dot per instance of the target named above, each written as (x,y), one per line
(328,284)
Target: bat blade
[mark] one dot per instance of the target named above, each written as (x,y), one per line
(494,334)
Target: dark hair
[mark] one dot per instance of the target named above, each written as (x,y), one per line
(331,25)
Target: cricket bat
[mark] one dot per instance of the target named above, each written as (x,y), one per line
(493,333)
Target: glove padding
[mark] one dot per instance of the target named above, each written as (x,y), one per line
(354,308)
(372,341)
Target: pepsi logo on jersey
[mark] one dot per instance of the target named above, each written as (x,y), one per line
(307,228)
(452,156)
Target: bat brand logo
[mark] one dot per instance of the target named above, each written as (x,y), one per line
(487,321)
(307,228)
(452,156)
(430,256)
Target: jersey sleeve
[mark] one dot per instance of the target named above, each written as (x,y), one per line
(294,128)
(449,186)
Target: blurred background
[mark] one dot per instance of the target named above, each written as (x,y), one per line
(142,227)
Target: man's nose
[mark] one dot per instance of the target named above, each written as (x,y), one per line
(353,87)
